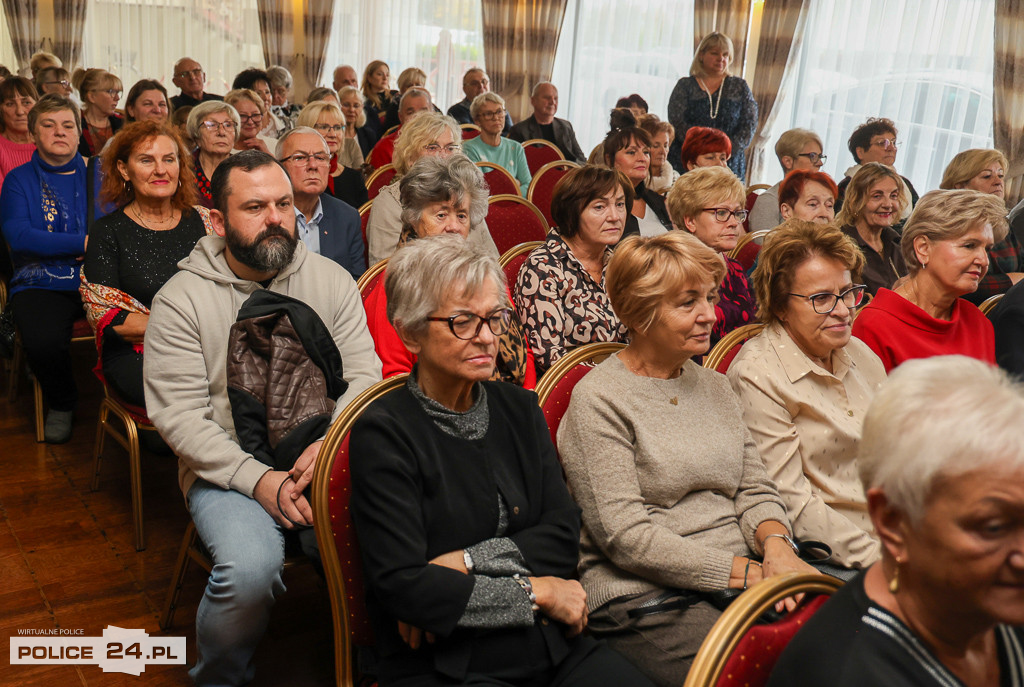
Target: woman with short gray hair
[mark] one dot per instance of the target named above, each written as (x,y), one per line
(456,485)
(429,134)
(488,113)
(214,126)
(942,464)
(443,196)
(281,91)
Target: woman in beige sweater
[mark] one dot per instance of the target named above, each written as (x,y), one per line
(676,501)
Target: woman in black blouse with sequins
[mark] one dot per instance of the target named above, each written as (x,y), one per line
(711,97)
(134,250)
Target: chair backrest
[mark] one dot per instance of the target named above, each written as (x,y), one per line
(555,388)
(736,652)
(364,219)
(987,304)
(747,248)
(469,131)
(512,220)
(339,550)
(542,186)
(721,356)
(752,193)
(371,279)
(391,130)
(540,152)
(379,179)
(499,179)
(512,260)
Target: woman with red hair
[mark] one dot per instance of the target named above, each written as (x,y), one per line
(808,195)
(705,147)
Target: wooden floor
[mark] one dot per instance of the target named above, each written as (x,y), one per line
(67,558)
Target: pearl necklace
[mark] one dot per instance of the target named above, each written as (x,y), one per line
(713,108)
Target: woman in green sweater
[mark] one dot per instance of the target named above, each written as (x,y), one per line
(676,501)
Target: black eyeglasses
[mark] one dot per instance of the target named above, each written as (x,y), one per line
(824,303)
(722,214)
(813,157)
(467,326)
(254,118)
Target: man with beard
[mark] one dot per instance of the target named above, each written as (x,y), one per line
(241,507)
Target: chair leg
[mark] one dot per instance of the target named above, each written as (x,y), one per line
(135,470)
(13,368)
(37,391)
(180,568)
(101,435)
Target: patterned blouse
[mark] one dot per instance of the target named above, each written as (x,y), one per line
(732,104)
(202,183)
(561,305)
(736,306)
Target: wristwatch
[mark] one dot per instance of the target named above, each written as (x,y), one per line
(468,560)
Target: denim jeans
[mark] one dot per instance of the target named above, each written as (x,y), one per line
(247,548)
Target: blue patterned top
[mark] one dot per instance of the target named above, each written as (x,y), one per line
(736,117)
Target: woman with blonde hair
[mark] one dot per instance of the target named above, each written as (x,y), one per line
(100,92)
(804,384)
(983,169)
(873,203)
(945,245)
(711,97)
(677,505)
(379,95)
(251,112)
(411,77)
(351,99)
(429,133)
(345,180)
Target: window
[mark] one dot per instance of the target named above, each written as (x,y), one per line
(615,48)
(7,56)
(926,65)
(444,38)
(142,39)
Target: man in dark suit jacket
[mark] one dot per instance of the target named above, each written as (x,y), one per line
(191,79)
(543,124)
(328,226)
(474,82)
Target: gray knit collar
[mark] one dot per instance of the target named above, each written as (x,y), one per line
(470,425)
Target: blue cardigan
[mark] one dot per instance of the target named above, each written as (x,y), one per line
(43,215)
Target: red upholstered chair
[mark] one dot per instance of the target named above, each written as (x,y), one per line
(371,279)
(752,193)
(540,152)
(512,220)
(379,179)
(499,179)
(721,356)
(542,186)
(747,248)
(555,387)
(364,219)
(335,535)
(469,131)
(134,420)
(512,260)
(738,653)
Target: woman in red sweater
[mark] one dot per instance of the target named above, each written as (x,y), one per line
(945,245)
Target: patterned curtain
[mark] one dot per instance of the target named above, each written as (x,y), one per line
(69,27)
(275,31)
(1008,93)
(23,22)
(779,40)
(730,17)
(520,39)
(316,15)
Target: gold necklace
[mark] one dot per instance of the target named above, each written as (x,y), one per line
(674,400)
(135,209)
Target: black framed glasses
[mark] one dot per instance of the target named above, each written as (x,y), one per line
(467,325)
(723,214)
(824,303)
(254,118)
(813,157)
(304,158)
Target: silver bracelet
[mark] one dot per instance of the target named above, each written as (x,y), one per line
(528,588)
(784,537)
(468,560)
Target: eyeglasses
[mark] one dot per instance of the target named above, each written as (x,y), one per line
(824,303)
(335,128)
(813,157)
(254,118)
(191,73)
(722,215)
(887,143)
(304,158)
(467,326)
(497,114)
(112,92)
(65,84)
(213,126)
(437,148)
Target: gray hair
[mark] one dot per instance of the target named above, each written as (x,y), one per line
(279,77)
(536,87)
(423,274)
(438,179)
(346,91)
(204,110)
(481,100)
(298,130)
(423,130)
(415,92)
(939,417)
